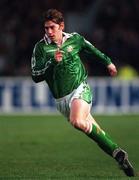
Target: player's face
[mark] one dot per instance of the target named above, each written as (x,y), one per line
(53,30)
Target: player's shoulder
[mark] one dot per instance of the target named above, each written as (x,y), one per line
(74,35)
(39,44)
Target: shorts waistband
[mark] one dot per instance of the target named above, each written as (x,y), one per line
(64,97)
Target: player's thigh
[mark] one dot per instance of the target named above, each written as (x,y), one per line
(63,107)
(79,109)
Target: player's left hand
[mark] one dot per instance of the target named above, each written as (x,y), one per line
(112,69)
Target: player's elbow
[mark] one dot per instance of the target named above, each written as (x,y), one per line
(37,79)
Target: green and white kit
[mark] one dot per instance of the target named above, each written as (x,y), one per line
(82,92)
(65,76)
(67,80)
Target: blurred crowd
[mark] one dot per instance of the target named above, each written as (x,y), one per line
(115,32)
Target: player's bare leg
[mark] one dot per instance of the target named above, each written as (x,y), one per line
(81,119)
(78,114)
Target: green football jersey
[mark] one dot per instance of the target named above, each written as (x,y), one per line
(64,76)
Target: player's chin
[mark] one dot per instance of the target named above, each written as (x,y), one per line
(52,38)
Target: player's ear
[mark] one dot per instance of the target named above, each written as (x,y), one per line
(62,26)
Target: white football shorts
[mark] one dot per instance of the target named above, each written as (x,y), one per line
(82,92)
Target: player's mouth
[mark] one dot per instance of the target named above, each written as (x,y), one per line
(52,37)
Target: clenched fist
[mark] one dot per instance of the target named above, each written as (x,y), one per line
(112,69)
(58,56)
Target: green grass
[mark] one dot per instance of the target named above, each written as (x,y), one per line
(47,147)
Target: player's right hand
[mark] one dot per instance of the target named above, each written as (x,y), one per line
(58,56)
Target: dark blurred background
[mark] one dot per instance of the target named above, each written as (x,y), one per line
(111,25)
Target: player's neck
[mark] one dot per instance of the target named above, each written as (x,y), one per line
(59,40)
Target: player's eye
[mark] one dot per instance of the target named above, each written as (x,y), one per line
(50,27)
(46,28)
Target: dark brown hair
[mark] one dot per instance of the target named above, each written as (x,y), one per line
(53,15)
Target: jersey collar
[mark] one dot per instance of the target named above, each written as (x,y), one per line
(65,37)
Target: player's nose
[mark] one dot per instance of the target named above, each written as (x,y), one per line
(49,31)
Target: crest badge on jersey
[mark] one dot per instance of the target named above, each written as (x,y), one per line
(69,48)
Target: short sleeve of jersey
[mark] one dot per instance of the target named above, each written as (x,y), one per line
(37,61)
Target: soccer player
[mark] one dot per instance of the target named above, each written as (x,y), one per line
(56,60)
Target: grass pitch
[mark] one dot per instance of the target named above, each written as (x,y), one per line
(48,147)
